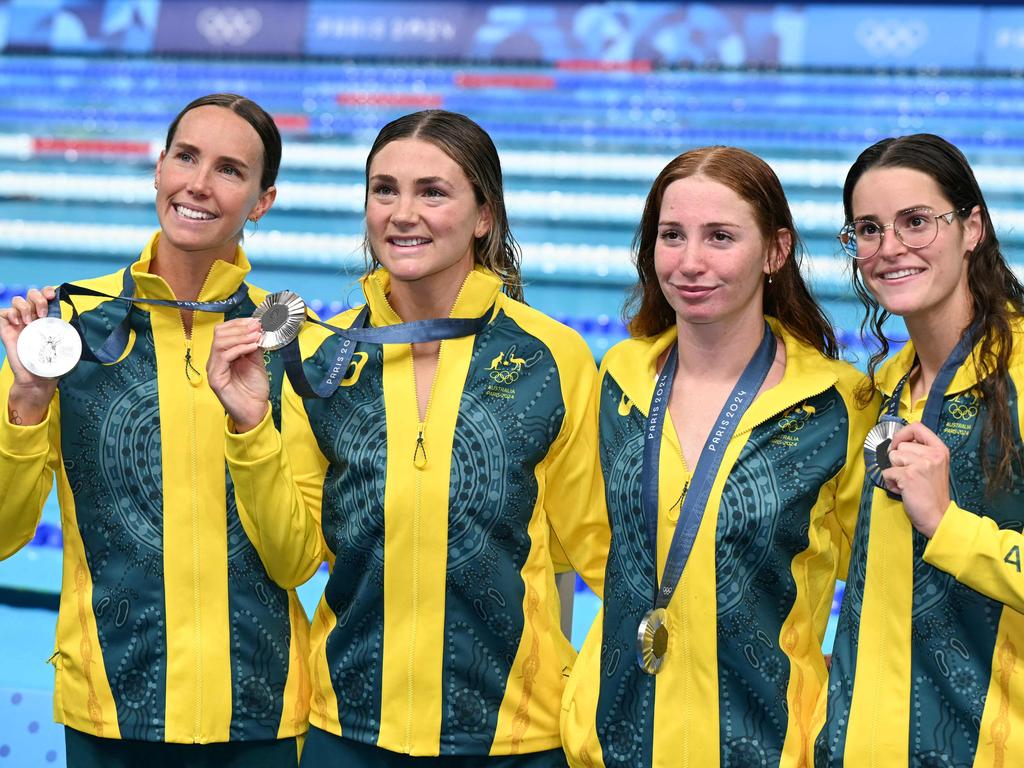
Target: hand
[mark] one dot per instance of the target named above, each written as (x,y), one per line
(920,473)
(29,398)
(237,374)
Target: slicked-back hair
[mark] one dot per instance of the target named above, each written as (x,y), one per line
(254,115)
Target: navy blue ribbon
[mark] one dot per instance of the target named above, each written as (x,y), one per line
(413,332)
(704,473)
(114,345)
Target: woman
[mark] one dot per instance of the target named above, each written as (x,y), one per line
(930,629)
(449,476)
(179,638)
(745,491)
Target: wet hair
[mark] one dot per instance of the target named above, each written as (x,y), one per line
(996,293)
(471,148)
(254,115)
(647,311)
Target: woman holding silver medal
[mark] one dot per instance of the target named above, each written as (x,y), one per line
(927,656)
(729,518)
(450,455)
(179,638)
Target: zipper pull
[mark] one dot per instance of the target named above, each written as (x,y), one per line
(419,456)
(679,502)
(191,369)
(53,659)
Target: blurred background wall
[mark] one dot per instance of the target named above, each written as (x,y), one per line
(585,101)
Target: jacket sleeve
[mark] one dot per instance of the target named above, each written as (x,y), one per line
(278,491)
(574,490)
(851,479)
(28,458)
(976,552)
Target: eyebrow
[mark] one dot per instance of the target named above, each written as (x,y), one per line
(912,208)
(423,180)
(708,225)
(184,145)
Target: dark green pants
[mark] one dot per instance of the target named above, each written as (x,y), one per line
(85,751)
(325,750)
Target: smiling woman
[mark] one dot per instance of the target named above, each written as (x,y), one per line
(451,476)
(931,623)
(179,639)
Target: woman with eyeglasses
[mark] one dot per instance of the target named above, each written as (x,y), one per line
(450,476)
(926,669)
(728,436)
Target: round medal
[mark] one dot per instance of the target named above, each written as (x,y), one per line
(876,448)
(652,640)
(49,347)
(281,315)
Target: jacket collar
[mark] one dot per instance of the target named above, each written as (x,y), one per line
(477,295)
(221,281)
(806,374)
(967,375)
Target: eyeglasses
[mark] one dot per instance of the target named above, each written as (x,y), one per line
(915,228)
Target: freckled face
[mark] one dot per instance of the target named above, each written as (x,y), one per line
(422,215)
(710,257)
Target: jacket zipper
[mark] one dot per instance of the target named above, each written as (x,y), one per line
(419,462)
(194,378)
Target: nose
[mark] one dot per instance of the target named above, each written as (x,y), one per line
(691,259)
(890,245)
(404,211)
(199,180)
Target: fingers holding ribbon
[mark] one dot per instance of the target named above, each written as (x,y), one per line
(919,471)
(237,373)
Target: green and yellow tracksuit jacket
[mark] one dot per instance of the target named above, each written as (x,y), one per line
(177,622)
(929,656)
(438,632)
(743,672)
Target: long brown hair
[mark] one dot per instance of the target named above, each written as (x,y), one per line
(471,148)
(996,293)
(648,313)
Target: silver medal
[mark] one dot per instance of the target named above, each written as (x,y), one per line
(876,448)
(280,315)
(49,347)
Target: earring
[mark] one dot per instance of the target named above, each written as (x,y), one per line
(770,278)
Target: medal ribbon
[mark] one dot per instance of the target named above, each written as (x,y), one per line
(117,341)
(933,404)
(704,473)
(413,332)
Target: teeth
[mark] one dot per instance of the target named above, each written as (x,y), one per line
(900,273)
(406,241)
(189,213)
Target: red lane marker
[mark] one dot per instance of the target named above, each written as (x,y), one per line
(533,82)
(596,65)
(292,122)
(366,99)
(91,146)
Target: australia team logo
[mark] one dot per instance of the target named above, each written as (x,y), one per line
(506,369)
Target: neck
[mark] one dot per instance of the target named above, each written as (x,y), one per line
(185,273)
(934,339)
(718,351)
(425,299)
